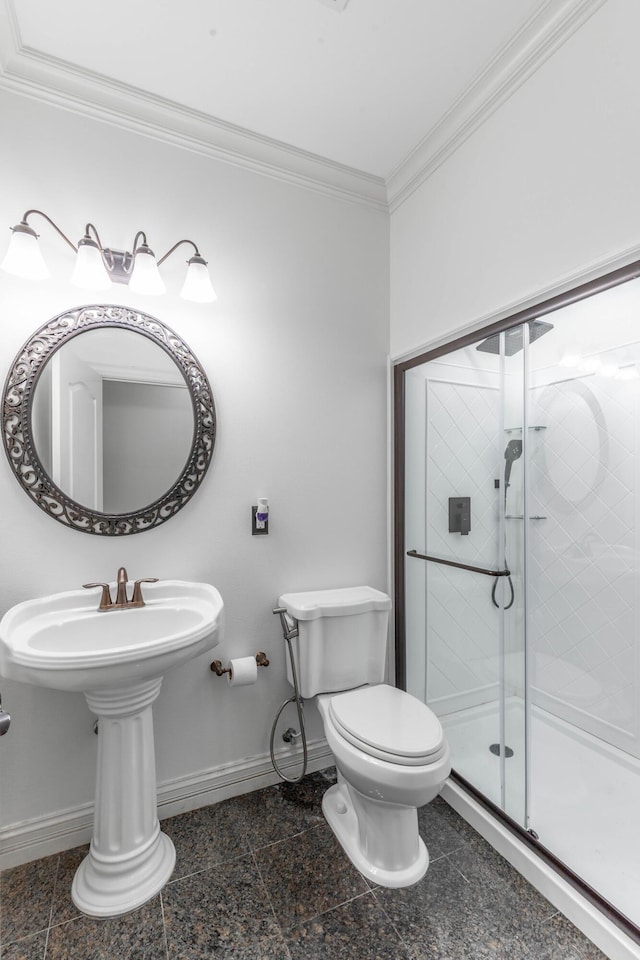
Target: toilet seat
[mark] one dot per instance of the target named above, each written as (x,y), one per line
(389,724)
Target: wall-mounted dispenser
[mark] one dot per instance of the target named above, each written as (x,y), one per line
(260,517)
(460,515)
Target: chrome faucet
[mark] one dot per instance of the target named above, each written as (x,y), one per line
(122,602)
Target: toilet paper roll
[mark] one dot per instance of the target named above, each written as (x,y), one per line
(244,670)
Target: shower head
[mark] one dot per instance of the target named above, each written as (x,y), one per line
(512,452)
(513,340)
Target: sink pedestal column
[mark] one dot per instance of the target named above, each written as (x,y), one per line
(129,860)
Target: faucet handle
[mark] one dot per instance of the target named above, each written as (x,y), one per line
(137,590)
(105,599)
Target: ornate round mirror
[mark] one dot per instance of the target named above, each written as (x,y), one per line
(108,420)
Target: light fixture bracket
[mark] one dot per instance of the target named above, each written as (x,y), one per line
(119,264)
(24,227)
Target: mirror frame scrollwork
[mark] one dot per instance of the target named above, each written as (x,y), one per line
(17,429)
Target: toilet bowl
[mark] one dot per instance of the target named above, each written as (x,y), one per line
(391,757)
(389,748)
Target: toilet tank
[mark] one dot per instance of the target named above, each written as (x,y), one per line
(342,641)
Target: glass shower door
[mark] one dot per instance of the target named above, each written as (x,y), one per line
(584,586)
(520,573)
(464,470)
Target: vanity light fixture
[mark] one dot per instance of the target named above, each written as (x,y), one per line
(96,266)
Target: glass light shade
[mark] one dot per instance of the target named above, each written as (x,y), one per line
(145,277)
(24,257)
(90,272)
(197,284)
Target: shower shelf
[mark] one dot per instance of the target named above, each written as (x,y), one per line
(519,429)
(520,516)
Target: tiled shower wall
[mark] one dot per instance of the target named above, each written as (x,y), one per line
(583,596)
(583,572)
(462,415)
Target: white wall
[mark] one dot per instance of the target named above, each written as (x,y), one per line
(295,349)
(545,188)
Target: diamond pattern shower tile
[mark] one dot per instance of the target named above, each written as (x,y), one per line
(585,573)
(462,460)
(584,470)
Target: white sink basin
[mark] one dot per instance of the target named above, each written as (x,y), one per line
(64,642)
(117,658)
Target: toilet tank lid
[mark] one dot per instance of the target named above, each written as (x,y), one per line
(339,602)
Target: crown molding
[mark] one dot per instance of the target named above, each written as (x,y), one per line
(537,40)
(47,79)
(29,73)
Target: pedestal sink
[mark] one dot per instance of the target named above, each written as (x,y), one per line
(117,659)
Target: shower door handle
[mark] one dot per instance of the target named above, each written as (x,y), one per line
(461,566)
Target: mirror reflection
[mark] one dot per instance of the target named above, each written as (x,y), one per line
(112,420)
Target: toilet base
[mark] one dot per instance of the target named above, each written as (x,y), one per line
(382,830)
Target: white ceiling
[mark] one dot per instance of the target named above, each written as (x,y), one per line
(362,87)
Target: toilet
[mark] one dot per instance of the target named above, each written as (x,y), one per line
(389,748)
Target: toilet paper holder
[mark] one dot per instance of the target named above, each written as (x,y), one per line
(216,666)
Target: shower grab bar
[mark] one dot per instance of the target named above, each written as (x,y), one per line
(462,566)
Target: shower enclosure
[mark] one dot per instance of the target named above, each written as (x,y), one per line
(517,573)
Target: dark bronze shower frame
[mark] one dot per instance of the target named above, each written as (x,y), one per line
(582,292)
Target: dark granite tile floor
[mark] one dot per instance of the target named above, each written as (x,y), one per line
(261,877)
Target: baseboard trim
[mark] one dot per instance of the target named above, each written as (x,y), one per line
(44,836)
